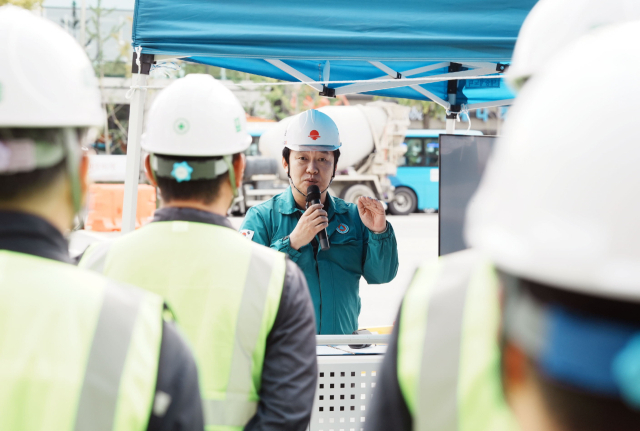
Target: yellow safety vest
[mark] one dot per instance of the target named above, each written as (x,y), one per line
(77,352)
(448,352)
(224,291)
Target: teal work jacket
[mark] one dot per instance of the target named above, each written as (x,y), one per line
(333,275)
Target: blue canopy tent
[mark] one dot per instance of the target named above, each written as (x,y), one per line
(451,52)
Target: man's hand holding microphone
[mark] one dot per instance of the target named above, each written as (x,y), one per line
(314,221)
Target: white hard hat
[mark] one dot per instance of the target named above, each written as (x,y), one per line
(553,24)
(559,202)
(312,131)
(196,116)
(46,79)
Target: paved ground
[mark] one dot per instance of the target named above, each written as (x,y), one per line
(417,237)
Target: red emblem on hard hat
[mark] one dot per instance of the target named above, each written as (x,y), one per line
(314,135)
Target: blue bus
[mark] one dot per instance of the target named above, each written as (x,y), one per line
(417,178)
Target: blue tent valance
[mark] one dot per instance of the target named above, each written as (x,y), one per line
(388,44)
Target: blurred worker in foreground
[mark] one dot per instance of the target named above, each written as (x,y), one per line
(553,24)
(245,308)
(77,351)
(557,213)
(442,368)
(361,241)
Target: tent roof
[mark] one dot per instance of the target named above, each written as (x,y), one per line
(341,40)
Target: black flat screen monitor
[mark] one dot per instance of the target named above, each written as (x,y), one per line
(462,162)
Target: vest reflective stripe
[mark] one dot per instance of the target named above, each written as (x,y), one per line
(77,352)
(225,292)
(448,358)
(99,396)
(250,315)
(439,371)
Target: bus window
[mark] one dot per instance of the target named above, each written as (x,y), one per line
(432,153)
(415,155)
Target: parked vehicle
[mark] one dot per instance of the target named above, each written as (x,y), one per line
(256,129)
(417,179)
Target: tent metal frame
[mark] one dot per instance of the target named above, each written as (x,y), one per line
(141,67)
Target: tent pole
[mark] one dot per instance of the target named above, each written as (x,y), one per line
(136,117)
(132,175)
(452,93)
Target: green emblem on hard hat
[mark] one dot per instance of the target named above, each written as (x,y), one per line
(181,126)
(238,126)
(181,171)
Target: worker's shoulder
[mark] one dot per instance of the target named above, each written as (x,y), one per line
(467,261)
(453,272)
(63,277)
(32,267)
(96,253)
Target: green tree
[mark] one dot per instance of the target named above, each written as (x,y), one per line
(288,100)
(430,110)
(27,4)
(101,66)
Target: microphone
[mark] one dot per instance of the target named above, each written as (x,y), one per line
(313,197)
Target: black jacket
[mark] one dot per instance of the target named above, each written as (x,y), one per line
(177,372)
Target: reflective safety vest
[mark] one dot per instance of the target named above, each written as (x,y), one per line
(77,352)
(225,293)
(448,351)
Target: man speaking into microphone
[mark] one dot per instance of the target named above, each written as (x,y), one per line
(335,243)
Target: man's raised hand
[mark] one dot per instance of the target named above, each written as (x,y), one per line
(372,214)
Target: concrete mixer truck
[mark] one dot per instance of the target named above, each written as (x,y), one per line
(372,137)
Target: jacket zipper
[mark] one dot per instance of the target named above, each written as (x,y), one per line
(299,214)
(319,286)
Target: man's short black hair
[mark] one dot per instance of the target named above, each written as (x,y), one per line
(23,184)
(286,153)
(204,191)
(578,410)
(573,408)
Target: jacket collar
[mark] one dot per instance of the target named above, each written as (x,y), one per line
(29,234)
(287,205)
(191,215)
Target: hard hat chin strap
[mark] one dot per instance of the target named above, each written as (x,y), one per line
(72,148)
(294,186)
(304,194)
(30,154)
(232,174)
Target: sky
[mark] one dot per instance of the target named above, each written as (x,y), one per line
(118,4)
